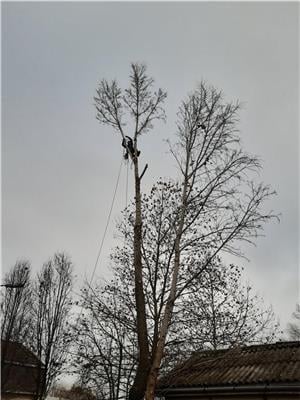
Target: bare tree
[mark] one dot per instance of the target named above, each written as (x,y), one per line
(220,206)
(105,355)
(76,392)
(143,107)
(293,328)
(51,313)
(16,303)
(106,342)
(217,204)
(219,311)
(216,311)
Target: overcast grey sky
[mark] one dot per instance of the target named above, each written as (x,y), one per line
(59,166)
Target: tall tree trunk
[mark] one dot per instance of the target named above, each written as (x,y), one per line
(159,351)
(138,388)
(158,354)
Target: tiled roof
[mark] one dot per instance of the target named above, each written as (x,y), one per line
(271,363)
(16,352)
(19,374)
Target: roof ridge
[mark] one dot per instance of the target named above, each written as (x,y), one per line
(277,362)
(277,344)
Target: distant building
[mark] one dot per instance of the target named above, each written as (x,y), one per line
(20,373)
(270,371)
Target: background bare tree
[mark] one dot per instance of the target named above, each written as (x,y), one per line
(76,392)
(293,328)
(16,303)
(51,310)
(220,311)
(106,342)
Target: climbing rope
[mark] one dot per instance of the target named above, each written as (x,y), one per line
(107,222)
(103,238)
(126,204)
(126,190)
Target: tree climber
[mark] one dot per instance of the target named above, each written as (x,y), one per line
(127,143)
